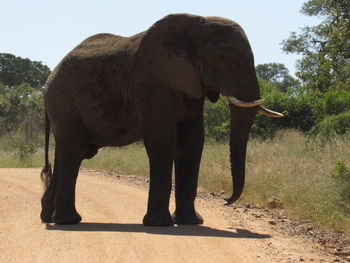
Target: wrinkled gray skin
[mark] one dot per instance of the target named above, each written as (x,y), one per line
(113,91)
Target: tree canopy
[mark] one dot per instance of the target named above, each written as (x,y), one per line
(16,70)
(325,48)
(21,104)
(276,73)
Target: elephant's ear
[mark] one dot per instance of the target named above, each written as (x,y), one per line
(170,56)
(174,69)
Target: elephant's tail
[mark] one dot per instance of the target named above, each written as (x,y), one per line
(46,172)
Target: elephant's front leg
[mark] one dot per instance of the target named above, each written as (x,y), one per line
(159,143)
(190,139)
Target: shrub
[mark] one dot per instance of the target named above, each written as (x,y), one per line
(332,125)
(217,119)
(335,102)
(265,127)
(298,106)
(25,151)
(341,174)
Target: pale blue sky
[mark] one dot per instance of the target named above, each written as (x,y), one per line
(47,30)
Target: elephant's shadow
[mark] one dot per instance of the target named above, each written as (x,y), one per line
(180,230)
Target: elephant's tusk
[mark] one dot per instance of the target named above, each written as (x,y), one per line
(244,104)
(269,113)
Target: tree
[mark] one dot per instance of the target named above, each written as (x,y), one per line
(273,72)
(325,48)
(21,107)
(278,74)
(16,70)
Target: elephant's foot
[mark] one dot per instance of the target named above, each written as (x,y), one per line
(66,218)
(188,217)
(46,217)
(158,218)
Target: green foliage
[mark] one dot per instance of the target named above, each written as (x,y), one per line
(323,115)
(334,102)
(274,72)
(341,174)
(325,48)
(332,125)
(25,151)
(16,70)
(299,111)
(21,107)
(21,102)
(217,119)
(263,126)
(278,74)
(299,108)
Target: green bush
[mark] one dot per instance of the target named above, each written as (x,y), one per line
(25,151)
(341,174)
(217,119)
(332,125)
(21,108)
(334,102)
(298,107)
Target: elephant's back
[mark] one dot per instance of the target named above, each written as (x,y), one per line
(99,54)
(98,45)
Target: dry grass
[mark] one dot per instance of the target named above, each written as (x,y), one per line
(298,172)
(131,160)
(10,159)
(290,167)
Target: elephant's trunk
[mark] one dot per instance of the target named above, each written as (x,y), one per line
(241,122)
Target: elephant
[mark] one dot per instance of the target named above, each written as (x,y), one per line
(112,91)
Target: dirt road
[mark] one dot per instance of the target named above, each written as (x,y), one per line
(111,231)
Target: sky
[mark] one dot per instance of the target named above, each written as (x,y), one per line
(47,30)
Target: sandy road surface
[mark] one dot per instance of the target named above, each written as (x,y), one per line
(111,230)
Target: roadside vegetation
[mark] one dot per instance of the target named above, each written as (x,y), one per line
(302,159)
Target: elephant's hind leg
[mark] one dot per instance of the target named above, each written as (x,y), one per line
(59,198)
(69,155)
(48,200)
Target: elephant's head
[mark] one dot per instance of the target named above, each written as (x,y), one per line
(209,56)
